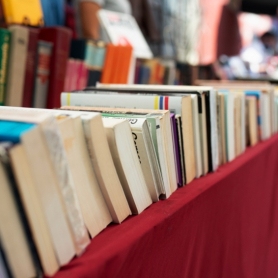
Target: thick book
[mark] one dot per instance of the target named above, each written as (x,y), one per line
(94,209)
(145,151)
(17,65)
(60,38)
(5,40)
(34,209)
(15,233)
(251,121)
(30,69)
(24,12)
(125,158)
(99,160)
(42,72)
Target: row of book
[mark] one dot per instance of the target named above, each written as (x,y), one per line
(111,151)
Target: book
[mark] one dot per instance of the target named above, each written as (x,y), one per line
(5,39)
(201,160)
(93,207)
(180,142)
(221,129)
(122,29)
(125,158)
(17,65)
(48,179)
(30,69)
(42,72)
(230,123)
(34,209)
(96,150)
(23,12)
(60,38)
(176,147)
(159,123)
(145,151)
(15,235)
(251,121)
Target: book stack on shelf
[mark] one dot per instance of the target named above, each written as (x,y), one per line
(111,151)
(38,63)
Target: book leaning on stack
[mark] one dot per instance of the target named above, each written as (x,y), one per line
(110,152)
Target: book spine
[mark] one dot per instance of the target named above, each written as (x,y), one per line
(60,37)
(5,38)
(17,65)
(73,211)
(30,68)
(42,74)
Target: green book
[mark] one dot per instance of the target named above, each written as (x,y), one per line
(5,38)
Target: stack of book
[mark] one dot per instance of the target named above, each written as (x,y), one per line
(109,152)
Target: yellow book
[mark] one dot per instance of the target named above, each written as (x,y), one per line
(28,12)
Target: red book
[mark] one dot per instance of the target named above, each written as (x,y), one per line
(60,37)
(30,67)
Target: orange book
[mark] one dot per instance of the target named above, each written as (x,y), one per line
(125,64)
(109,65)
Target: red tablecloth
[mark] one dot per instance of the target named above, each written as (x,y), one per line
(221,225)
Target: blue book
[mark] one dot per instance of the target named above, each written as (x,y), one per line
(11,131)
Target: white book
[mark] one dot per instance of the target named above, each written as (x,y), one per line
(230,123)
(125,158)
(197,137)
(146,153)
(93,207)
(16,65)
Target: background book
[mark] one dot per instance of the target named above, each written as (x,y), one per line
(17,65)
(27,12)
(94,210)
(60,37)
(30,69)
(5,41)
(42,72)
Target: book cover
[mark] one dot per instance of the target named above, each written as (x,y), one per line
(34,209)
(42,72)
(15,231)
(27,12)
(30,70)
(125,158)
(176,149)
(17,65)
(5,39)
(60,37)
(44,174)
